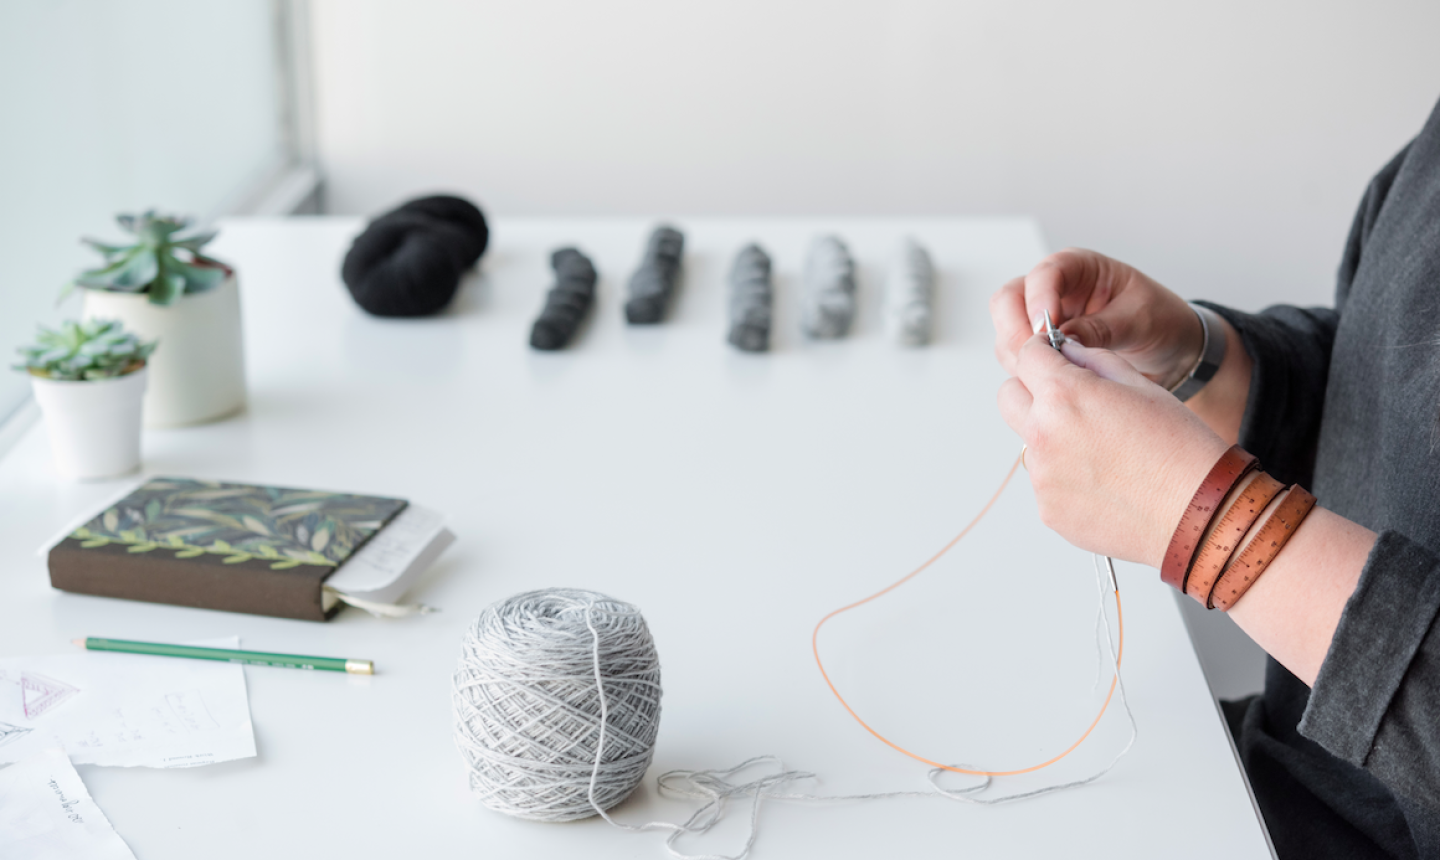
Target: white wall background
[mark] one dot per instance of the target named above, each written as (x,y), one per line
(1221,145)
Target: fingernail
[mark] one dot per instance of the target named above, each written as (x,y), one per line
(1039,324)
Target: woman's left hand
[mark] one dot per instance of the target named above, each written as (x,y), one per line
(1114,458)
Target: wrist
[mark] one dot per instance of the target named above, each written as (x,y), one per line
(1195,487)
(1201,344)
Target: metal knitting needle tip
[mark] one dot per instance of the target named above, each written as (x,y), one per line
(1057,339)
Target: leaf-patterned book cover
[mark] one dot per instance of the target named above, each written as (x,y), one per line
(223,523)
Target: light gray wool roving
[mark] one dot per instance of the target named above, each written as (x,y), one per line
(539,739)
(751,299)
(910,295)
(653,283)
(827,303)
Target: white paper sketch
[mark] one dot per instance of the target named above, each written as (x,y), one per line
(125,710)
(10,732)
(39,694)
(45,812)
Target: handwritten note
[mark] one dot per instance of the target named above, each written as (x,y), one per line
(125,710)
(388,563)
(45,812)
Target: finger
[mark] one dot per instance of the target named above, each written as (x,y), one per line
(1007,312)
(1114,325)
(1061,284)
(1043,288)
(1015,401)
(1105,364)
(1040,366)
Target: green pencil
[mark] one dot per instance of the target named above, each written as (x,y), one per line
(252,658)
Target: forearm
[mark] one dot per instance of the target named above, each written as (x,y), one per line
(1221,403)
(1292,611)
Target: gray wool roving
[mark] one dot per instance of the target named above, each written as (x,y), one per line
(539,739)
(910,295)
(653,283)
(567,302)
(827,303)
(751,299)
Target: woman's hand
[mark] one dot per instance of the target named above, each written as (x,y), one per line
(1101,303)
(1114,459)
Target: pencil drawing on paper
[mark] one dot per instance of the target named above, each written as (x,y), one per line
(39,694)
(11,732)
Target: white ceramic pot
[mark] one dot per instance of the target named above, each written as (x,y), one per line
(94,426)
(197,373)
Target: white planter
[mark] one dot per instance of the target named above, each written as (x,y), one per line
(197,373)
(94,426)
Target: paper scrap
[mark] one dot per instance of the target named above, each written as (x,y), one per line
(126,710)
(382,569)
(45,812)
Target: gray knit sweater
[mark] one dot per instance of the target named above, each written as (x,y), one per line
(1347,402)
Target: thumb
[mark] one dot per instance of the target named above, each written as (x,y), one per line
(1105,364)
(1108,328)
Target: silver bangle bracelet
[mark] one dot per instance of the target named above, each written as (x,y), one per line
(1212,353)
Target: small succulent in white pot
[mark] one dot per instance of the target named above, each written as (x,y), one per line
(162,285)
(89,379)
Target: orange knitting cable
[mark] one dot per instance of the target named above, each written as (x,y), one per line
(815,645)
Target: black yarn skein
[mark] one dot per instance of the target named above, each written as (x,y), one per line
(567,302)
(408,262)
(654,282)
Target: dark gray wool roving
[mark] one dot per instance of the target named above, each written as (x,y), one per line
(568,301)
(751,298)
(408,262)
(654,282)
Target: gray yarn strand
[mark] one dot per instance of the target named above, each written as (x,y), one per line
(557,703)
(751,299)
(713,788)
(653,283)
(910,295)
(827,304)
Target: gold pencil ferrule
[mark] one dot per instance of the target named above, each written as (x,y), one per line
(359,667)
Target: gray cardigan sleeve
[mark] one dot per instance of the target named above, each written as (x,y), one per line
(1376,702)
(1290,353)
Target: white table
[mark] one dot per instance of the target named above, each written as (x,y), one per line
(734,498)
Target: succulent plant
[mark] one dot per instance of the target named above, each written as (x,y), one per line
(162,263)
(94,349)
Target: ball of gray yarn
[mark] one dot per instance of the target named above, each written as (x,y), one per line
(751,299)
(827,303)
(528,708)
(653,283)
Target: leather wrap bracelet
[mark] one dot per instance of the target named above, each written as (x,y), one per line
(1233,465)
(1225,534)
(1262,549)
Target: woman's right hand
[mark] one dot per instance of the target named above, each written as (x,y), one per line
(1102,303)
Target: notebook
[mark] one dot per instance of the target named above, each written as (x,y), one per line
(278,551)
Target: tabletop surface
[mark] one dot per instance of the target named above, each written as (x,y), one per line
(734,498)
